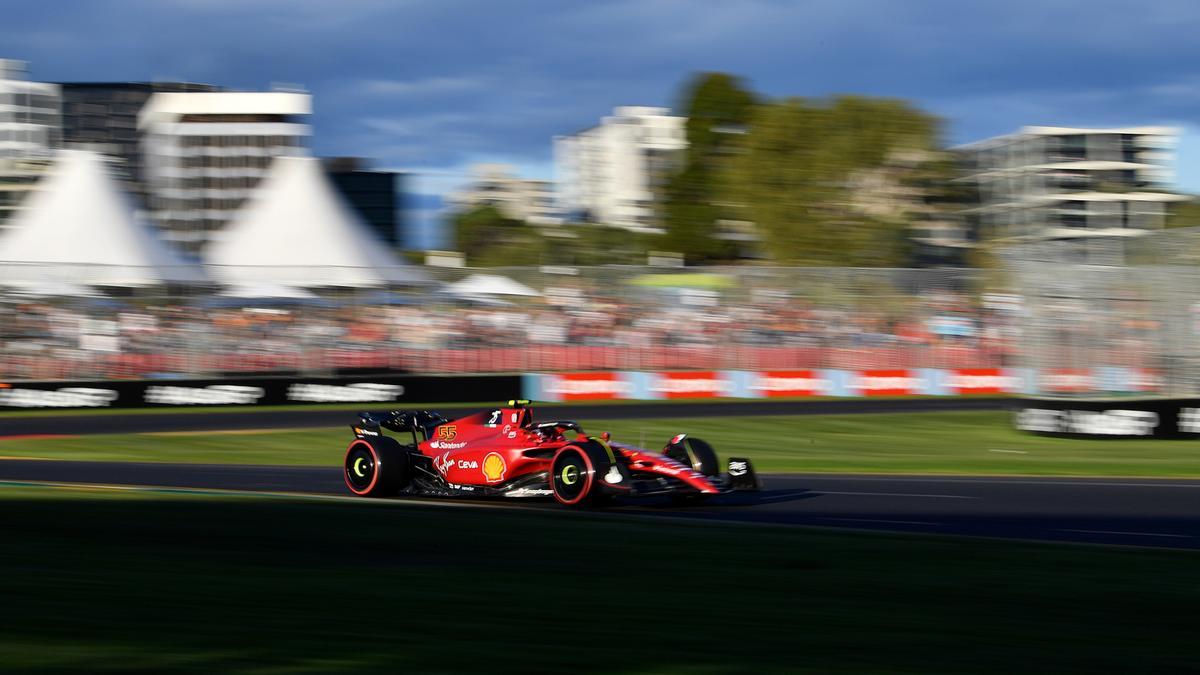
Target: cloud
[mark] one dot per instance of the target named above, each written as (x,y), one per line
(436,84)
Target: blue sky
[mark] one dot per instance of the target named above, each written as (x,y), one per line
(433,86)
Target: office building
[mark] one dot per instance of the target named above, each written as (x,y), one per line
(374,194)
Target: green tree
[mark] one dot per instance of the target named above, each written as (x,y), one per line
(794,170)
(717,107)
(490,239)
(1183,214)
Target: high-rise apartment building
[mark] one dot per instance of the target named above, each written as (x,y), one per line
(204,152)
(1066,183)
(612,172)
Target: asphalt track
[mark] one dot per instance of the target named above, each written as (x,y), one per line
(1138,512)
(1131,512)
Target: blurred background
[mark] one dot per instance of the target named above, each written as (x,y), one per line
(483,192)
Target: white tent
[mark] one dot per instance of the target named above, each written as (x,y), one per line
(79,227)
(489,284)
(297,231)
(266,290)
(50,289)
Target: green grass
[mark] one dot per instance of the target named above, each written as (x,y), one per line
(97,582)
(928,443)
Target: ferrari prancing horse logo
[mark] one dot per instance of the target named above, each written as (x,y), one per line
(447,433)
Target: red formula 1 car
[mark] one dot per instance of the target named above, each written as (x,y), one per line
(505,453)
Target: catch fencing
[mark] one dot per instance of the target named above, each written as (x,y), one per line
(71,322)
(1100,310)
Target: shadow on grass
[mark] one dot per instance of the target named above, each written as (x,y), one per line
(216,585)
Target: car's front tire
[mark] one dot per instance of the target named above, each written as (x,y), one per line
(695,454)
(575,473)
(376,467)
(698,455)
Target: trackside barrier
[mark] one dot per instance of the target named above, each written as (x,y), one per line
(699,384)
(379,390)
(1128,418)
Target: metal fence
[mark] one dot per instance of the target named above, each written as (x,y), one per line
(1108,316)
(73,322)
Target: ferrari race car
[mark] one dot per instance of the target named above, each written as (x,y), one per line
(505,453)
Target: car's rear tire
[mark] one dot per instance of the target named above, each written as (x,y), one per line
(376,467)
(576,471)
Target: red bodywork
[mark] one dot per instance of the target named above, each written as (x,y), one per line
(495,447)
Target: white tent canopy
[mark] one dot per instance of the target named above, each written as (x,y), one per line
(266,290)
(79,227)
(489,284)
(296,231)
(50,289)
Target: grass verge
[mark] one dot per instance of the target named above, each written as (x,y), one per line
(101,582)
(976,442)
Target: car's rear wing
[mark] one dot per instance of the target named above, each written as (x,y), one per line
(420,423)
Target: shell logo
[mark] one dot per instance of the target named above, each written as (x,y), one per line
(494,467)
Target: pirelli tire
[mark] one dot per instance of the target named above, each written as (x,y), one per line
(698,455)
(695,454)
(576,472)
(376,467)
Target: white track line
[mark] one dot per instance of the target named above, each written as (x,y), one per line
(1132,534)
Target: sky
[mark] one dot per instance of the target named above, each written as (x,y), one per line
(433,86)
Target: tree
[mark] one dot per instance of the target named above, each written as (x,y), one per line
(717,107)
(793,173)
(1183,214)
(489,239)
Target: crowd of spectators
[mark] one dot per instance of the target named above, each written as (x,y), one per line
(90,338)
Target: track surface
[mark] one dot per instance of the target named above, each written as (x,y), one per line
(1158,513)
(300,417)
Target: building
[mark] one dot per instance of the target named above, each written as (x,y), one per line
(103,117)
(374,194)
(29,133)
(204,152)
(498,185)
(29,114)
(1046,183)
(612,172)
